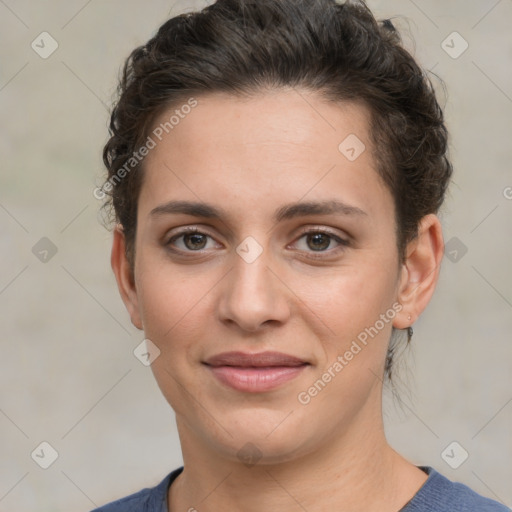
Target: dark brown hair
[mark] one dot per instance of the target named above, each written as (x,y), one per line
(242,47)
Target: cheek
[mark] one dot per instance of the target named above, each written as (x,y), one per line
(173,304)
(349,297)
(173,316)
(355,308)
(178,307)
(356,312)
(167,310)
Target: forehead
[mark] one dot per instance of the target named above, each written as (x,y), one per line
(286,115)
(273,147)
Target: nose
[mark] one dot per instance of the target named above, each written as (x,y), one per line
(252,296)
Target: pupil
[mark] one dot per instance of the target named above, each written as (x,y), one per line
(317,241)
(197,241)
(320,241)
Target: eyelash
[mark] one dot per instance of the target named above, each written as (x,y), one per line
(308,231)
(343,243)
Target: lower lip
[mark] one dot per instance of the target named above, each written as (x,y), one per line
(255,380)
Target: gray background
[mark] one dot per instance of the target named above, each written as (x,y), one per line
(68,373)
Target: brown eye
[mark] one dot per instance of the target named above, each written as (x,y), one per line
(195,241)
(318,241)
(191,240)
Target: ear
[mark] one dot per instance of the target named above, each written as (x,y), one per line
(124,276)
(420,271)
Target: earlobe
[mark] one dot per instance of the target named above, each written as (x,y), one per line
(124,276)
(420,271)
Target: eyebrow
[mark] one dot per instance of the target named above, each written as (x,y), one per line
(286,212)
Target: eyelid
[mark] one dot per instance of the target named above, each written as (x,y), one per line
(342,242)
(345,240)
(187,230)
(327,231)
(183,230)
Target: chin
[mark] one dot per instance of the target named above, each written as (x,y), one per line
(269,441)
(252,451)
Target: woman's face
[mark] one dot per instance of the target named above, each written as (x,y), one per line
(292,251)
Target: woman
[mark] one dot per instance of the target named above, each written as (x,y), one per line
(275,170)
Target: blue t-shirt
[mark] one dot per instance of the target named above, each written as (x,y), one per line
(437,494)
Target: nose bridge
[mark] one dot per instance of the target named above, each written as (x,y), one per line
(252,278)
(252,295)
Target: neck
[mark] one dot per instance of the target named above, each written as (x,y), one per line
(355,471)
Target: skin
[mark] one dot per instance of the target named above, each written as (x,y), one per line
(251,157)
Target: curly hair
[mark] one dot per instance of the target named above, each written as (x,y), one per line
(242,47)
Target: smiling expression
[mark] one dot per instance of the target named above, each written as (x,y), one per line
(255,234)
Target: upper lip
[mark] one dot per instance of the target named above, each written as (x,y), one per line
(261,359)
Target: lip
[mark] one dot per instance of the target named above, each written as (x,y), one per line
(259,359)
(255,373)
